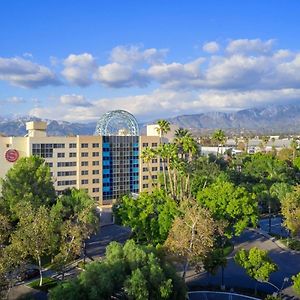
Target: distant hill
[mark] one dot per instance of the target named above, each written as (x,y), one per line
(273,118)
(17,127)
(270,119)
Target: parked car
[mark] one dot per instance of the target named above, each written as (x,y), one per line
(29,273)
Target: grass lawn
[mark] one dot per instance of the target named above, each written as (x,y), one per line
(228,248)
(291,243)
(48,283)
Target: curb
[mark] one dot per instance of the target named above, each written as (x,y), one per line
(274,240)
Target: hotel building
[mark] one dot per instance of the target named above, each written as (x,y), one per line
(107,167)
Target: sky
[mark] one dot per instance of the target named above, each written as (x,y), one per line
(75,60)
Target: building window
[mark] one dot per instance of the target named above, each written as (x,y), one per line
(154,144)
(66,173)
(61,154)
(95,154)
(50,164)
(95,145)
(145,169)
(84,181)
(154,161)
(84,154)
(96,163)
(84,145)
(84,172)
(66,182)
(66,164)
(154,176)
(72,145)
(154,168)
(96,190)
(84,163)
(95,172)
(145,177)
(145,145)
(96,180)
(96,198)
(72,154)
(145,186)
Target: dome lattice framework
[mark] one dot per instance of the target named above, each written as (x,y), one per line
(117,122)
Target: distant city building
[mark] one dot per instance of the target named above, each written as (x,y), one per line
(106,166)
(152,130)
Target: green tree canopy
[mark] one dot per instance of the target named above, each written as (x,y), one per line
(29,181)
(296,283)
(150,216)
(256,263)
(290,208)
(130,271)
(233,205)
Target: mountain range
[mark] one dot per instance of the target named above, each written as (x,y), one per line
(269,119)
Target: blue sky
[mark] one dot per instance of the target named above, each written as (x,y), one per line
(74,60)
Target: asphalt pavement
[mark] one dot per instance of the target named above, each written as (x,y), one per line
(234,276)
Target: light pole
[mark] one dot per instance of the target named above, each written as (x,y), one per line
(278,290)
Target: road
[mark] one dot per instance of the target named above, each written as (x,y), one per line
(287,261)
(96,245)
(276,226)
(95,248)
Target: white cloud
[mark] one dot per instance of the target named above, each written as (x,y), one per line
(166,103)
(130,55)
(79,69)
(74,100)
(250,46)
(24,73)
(117,75)
(177,74)
(211,47)
(13,100)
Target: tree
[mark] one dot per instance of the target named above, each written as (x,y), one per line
(256,263)
(169,154)
(214,261)
(128,272)
(203,174)
(5,229)
(180,133)
(192,234)
(246,140)
(290,208)
(149,216)
(29,181)
(75,218)
(294,146)
(162,128)
(296,283)
(220,138)
(35,235)
(233,205)
(147,155)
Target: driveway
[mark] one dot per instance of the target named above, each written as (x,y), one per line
(288,263)
(96,245)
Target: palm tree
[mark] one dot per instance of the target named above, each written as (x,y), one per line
(189,146)
(246,141)
(220,138)
(169,152)
(163,127)
(163,153)
(180,134)
(264,141)
(294,146)
(147,155)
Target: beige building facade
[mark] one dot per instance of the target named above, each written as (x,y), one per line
(106,167)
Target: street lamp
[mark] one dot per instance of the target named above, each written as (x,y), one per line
(278,290)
